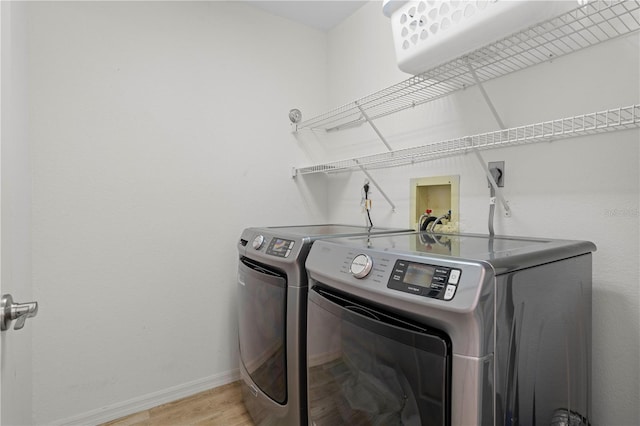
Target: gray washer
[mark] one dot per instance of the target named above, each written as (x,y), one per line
(272,299)
(449,330)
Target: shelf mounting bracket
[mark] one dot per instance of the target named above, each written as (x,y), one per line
(384,141)
(373,126)
(486,97)
(373,181)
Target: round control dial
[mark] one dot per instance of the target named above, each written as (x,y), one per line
(361,266)
(258,242)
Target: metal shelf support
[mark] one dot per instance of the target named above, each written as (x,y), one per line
(384,141)
(373,126)
(373,181)
(485,95)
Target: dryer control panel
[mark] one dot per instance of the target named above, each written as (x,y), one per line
(437,282)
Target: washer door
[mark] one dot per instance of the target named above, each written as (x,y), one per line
(371,367)
(262,294)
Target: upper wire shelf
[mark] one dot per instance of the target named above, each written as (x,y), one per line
(585,26)
(587,124)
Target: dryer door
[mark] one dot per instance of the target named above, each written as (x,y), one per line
(262,294)
(369,366)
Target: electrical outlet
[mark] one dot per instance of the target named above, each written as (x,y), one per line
(500,166)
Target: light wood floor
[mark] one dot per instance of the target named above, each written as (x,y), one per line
(221,406)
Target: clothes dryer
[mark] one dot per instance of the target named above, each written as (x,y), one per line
(272,298)
(433,329)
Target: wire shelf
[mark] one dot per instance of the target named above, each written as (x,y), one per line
(585,26)
(587,124)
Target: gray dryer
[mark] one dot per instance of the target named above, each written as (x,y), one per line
(272,300)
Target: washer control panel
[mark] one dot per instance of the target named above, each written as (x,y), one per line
(437,282)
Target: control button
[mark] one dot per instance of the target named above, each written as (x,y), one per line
(361,266)
(438,279)
(449,292)
(441,271)
(454,277)
(437,286)
(258,242)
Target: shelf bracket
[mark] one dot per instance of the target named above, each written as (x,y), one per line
(492,182)
(373,181)
(373,126)
(485,95)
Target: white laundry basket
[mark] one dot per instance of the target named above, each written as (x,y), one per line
(427,33)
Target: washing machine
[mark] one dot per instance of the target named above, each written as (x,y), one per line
(272,298)
(435,329)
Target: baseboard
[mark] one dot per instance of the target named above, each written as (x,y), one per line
(144,402)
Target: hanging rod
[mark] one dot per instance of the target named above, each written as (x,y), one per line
(587,124)
(585,26)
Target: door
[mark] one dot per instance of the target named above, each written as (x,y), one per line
(15,213)
(262,298)
(369,366)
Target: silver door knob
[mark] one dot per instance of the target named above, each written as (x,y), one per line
(18,312)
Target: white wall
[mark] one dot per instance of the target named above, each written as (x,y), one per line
(583,188)
(16,216)
(159,131)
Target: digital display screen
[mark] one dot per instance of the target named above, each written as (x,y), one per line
(419,275)
(280,247)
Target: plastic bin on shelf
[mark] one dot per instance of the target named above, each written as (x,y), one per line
(427,33)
